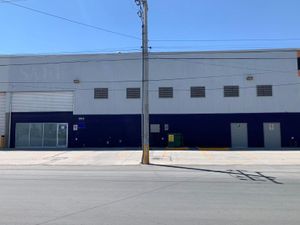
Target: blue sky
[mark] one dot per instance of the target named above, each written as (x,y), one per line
(24,31)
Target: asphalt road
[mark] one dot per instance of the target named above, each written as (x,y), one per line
(130,195)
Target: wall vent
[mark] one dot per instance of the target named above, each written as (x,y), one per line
(264,90)
(198,92)
(165,92)
(101,93)
(133,93)
(231,91)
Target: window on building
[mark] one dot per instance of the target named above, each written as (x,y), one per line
(101,93)
(133,93)
(231,91)
(264,90)
(165,92)
(298,63)
(198,92)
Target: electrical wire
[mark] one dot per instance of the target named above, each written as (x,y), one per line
(71,20)
(224,58)
(225,40)
(138,80)
(124,89)
(68,53)
(216,52)
(8,1)
(69,62)
(236,66)
(13,2)
(211,49)
(150,58)
(251,70)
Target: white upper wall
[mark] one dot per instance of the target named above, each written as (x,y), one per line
(178,70)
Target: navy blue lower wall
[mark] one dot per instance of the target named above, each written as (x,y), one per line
(201,130)
(91,130)
(213,130)
(107,131)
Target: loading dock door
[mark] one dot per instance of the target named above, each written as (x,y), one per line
(272,135)
(239,135)
(56,101)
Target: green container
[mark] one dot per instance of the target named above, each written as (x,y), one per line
(175,140)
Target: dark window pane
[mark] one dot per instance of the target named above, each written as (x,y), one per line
(22,134)
(50,134)
(36,135)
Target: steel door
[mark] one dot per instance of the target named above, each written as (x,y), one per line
(239,135)
(272,135)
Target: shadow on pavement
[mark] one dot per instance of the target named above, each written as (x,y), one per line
(239,174)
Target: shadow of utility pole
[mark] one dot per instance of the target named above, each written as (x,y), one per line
(239,174)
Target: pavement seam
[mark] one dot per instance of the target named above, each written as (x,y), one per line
(114,202)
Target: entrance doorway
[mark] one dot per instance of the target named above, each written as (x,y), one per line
(239,135)
(41,135)
(272,135)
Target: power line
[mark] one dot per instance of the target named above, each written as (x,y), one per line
(13,2)
(133,59)
(225,40)
(212,49)
(224,58)
(68,62)
(124,89)
(8,1)
(150,58)
(71,20)
(236,66)
(139,80)
(246,51)
(135,81)
(67,53)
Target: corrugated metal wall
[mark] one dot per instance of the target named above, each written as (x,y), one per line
(2,113)
(42,101)
(181,71)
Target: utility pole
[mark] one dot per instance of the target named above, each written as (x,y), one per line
(143,14)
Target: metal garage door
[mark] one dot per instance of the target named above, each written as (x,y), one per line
(42,101)
(2,112)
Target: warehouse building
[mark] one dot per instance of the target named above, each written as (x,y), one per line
(235,99)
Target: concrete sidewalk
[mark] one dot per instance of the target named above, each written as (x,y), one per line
(98,158)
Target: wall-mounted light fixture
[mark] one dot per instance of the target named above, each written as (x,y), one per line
(76,81)
(249,77)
